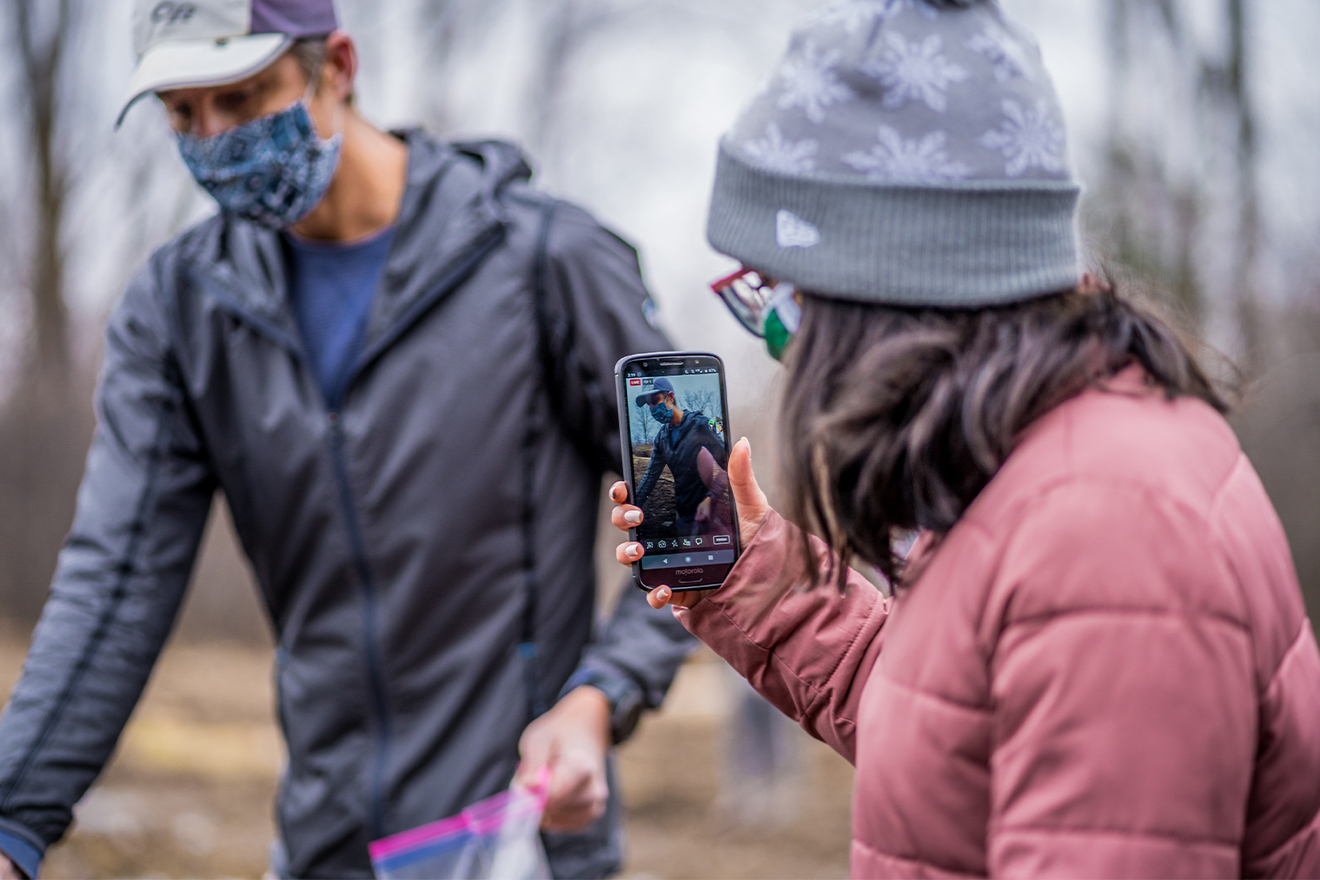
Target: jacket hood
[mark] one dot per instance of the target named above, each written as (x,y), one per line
(501,162)
(691,419)
(242,263)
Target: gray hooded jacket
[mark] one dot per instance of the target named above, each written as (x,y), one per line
(407,539)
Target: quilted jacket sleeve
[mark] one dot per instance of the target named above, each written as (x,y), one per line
(809,652)
(142,506)
(1123,690)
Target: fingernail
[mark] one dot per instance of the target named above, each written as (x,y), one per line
(634,550)
(664,592)
(632,517)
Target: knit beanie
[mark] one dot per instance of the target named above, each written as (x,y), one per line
(905,151)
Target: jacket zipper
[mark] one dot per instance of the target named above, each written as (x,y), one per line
(371,647)
(480,250)
(357,545)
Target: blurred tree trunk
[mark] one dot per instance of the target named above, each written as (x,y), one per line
(1238,95)
(565,27)
(40,57)
(1154,216)
(45,423)
(1119,170)
(442,23)
(1158,208)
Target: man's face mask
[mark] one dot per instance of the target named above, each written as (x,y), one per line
(661,412)
(272,171)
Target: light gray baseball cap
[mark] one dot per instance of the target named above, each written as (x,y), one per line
(192,43)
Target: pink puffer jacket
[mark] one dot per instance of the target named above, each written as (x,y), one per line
(1104,670)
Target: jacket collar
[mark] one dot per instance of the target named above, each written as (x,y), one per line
(689,421)
(450,214)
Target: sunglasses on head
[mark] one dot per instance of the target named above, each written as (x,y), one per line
(766,308)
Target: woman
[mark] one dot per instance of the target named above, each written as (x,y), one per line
(1096,661)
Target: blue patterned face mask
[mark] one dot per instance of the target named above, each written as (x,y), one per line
(662,413)
(272,170)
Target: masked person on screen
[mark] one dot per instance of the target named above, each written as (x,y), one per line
(307,352)
(1095,661)
(682,437)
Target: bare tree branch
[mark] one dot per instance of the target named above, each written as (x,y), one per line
(1248,313)
(40,57)
(569,24)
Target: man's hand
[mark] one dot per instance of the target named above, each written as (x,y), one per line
(9,871)
(571,739)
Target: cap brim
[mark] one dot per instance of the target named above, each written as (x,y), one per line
(179,64)
(644,399)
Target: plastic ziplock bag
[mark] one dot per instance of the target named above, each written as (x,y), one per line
(495,839)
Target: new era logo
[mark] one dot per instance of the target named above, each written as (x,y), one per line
(791,231)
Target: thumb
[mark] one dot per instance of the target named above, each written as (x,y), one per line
(536,752)
(751,501)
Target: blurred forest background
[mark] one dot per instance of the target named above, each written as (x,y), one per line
(1193,124)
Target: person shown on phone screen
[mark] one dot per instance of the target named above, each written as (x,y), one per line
(683,437)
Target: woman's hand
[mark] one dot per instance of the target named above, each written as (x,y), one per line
(752,508)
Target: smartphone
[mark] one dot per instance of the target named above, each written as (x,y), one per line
(674,430)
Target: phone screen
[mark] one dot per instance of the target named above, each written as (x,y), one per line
(678,440)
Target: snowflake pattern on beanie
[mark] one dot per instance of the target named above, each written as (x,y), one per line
(914,72)
(930,92)
(790,157)
(1028,139)
(900,161)
(1005,52)
(903,151)
(809,81)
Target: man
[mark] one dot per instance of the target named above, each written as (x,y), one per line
(378,348)
(678,445)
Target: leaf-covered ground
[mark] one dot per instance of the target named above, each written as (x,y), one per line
(189,792)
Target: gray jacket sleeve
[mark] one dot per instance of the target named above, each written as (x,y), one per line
(142,506)
(595,277)
(654,468)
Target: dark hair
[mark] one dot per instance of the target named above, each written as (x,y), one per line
(309,52)
(895,418)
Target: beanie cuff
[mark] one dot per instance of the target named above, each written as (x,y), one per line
(971,243)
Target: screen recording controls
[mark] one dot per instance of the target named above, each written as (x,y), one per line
(695,542)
